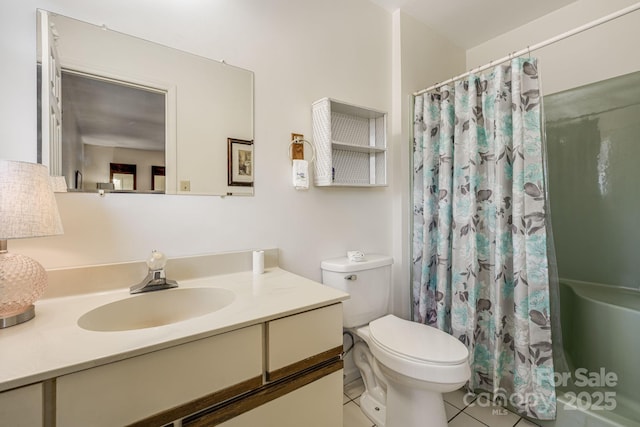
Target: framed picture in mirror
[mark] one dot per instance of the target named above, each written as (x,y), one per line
(241,166)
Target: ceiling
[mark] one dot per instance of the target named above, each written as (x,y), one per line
(468,23)
(111,114)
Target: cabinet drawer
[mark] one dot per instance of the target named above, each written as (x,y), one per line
(296,342)
(318,404)
(123,392)
(22,406)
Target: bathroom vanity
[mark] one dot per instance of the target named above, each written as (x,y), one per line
(270,357)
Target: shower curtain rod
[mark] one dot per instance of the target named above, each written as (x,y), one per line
(537,46)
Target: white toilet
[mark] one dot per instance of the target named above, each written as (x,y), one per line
(405,366)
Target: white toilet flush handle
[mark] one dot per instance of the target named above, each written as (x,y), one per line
(351,277)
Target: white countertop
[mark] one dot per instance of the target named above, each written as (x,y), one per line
(52,344)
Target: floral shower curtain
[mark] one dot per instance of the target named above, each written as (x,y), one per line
(480,267)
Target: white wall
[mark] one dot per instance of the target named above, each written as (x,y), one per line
(300,51)
(600,53)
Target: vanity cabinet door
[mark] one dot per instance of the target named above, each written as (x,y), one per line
(303,376)
(141,387)
(318,404)
(298,342)
(22,407)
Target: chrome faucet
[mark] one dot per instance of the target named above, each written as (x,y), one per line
(156,279)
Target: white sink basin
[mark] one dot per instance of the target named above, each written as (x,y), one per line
(156,309)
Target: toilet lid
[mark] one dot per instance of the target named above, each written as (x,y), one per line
(415,341)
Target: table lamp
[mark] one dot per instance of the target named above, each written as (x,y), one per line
(27,209)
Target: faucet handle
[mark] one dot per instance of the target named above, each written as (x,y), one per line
(157,260)
(156,278)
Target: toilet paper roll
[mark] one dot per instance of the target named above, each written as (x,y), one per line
(258,262)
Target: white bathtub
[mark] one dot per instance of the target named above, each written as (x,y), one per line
(601,332)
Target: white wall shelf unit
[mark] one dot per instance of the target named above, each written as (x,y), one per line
(350,143)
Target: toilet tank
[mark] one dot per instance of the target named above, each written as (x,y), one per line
(368,283)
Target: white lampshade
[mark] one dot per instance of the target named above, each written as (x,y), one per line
(58,184)
(27,209)
(27,205)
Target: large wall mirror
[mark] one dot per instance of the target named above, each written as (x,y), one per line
(107,98)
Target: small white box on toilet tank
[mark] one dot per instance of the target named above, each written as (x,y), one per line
(368,282)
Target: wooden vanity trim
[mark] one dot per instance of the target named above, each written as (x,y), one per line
(304,364)
(49,402)
(213,399)
(265,394)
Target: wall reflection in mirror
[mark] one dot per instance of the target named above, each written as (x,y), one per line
(130,115)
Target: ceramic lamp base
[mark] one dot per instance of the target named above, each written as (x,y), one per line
(22,281)
(16,319)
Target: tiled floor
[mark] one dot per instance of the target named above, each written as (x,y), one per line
(458,414)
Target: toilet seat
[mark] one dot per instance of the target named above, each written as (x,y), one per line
(407,339)
(418,351)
